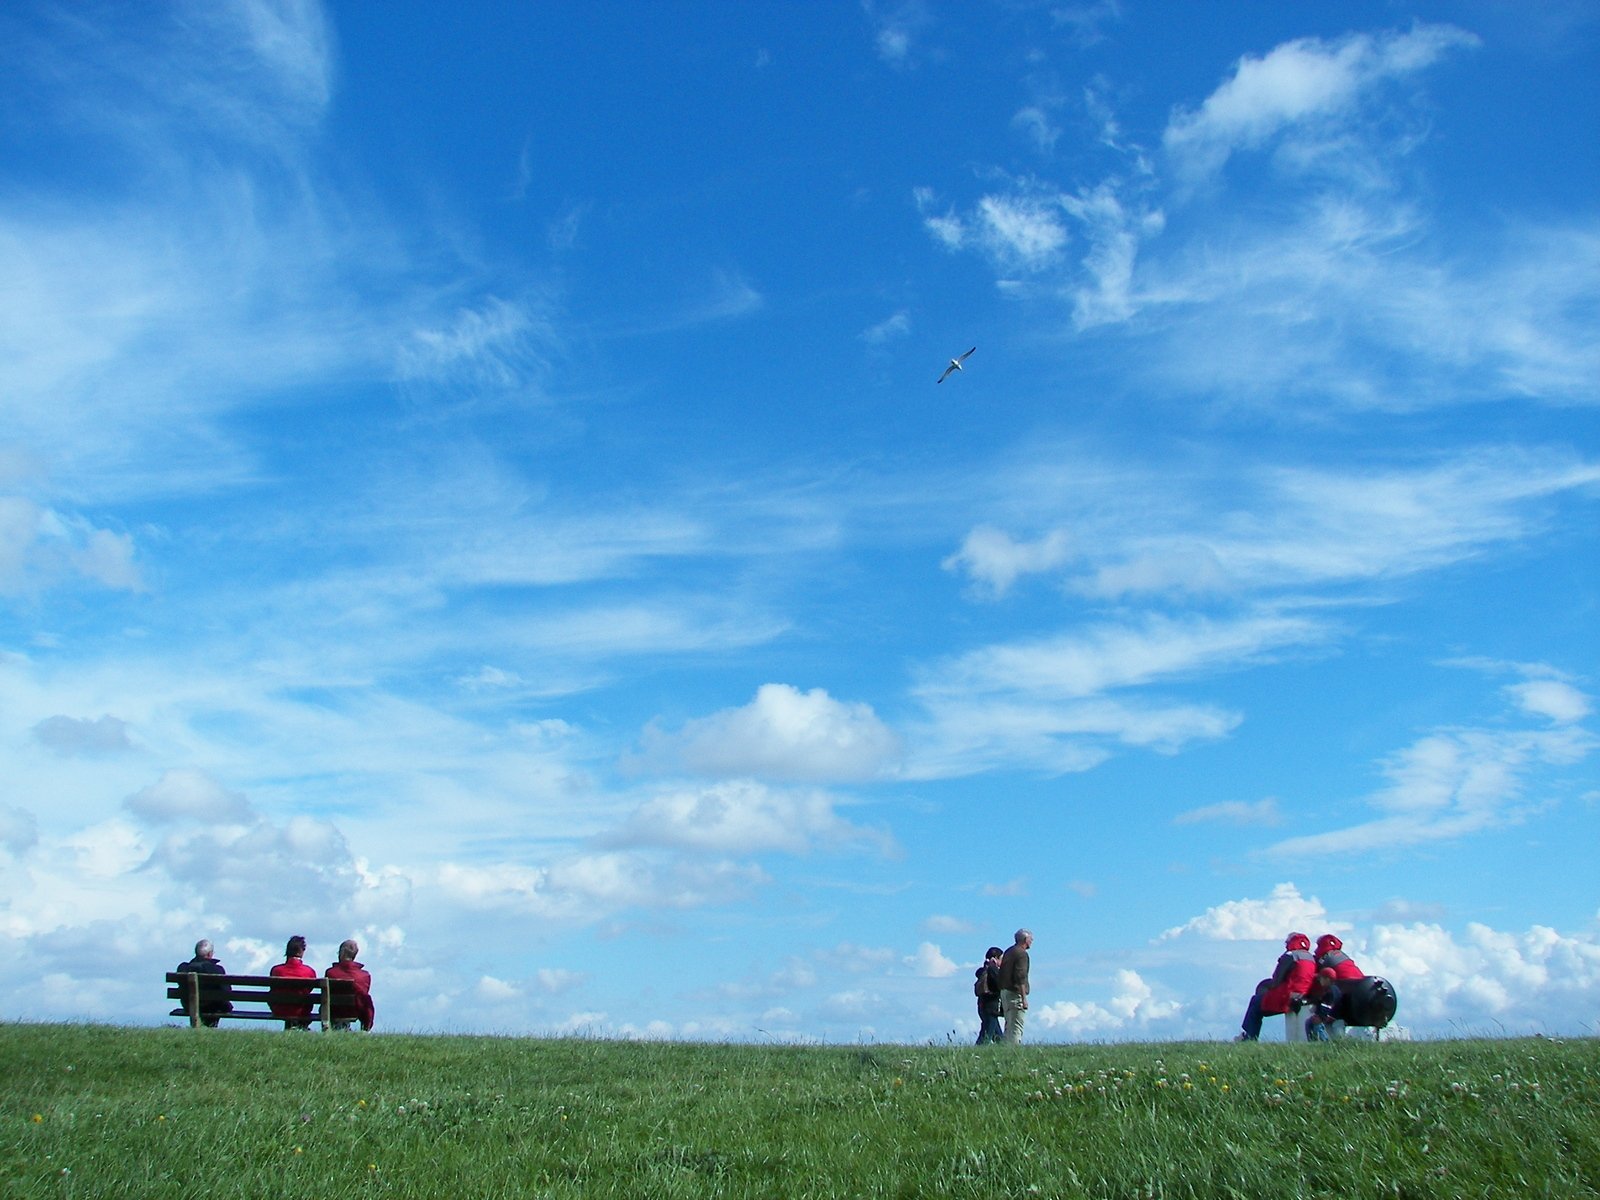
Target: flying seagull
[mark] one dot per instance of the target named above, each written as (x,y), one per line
(955,365)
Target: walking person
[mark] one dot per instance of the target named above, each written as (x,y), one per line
(1014,986)
(986,986)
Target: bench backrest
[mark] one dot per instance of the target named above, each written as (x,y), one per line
(209,995)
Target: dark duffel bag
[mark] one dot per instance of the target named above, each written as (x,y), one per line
(1369,1001)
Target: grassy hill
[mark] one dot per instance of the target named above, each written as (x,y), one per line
(103,1112)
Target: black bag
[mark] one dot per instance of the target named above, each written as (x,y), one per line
(1369,1001)
(980,985)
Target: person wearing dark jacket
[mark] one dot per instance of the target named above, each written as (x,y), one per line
(357,1010)
(214,1001)
(986,986)
(1329,1003)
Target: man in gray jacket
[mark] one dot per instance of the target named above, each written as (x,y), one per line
(1014,986)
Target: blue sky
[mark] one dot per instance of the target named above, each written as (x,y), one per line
(476,482)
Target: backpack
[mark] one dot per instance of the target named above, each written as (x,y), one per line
(980,985)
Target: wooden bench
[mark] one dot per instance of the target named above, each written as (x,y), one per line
(200,997)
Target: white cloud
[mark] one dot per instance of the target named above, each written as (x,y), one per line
(490,990)
(995,560)
(783,733)
(897,325)
(1271,919)
(1089,662)
(499,345)
(1234,812)
(1485,981)
(930,962)
(41,548)
(1560,702)
(187,795)
(1019,231)
(558,979)
(939,923)
(1298,82)
(70,736)
(741,817)
(1449,784)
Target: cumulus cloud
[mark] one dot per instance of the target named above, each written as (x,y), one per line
(783,733)
(74,736)
(1485,980)
(1298,83)
(930,962)
(186,795)
(741,817)
(1270,919)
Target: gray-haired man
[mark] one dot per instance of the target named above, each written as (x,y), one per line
(1014,986)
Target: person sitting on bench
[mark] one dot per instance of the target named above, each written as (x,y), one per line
(293,1005)
(1331,955)
(357,1010)
(1291,979)
(213,994)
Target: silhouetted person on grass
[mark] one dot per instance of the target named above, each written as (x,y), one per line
(293,1004)
(355,1010)
(214,994)
(1014,986)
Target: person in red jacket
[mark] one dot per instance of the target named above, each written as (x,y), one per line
(348,1013)
(292,1004)
(1331,956)
(1290,981)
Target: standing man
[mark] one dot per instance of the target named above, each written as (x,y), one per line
(986,986)
(1014,986)
(358,1008)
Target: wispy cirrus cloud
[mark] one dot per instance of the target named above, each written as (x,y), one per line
(1306,82)
(1454,782)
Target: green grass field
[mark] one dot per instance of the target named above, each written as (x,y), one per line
(103,1112)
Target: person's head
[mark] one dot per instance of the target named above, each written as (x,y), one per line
(1327,943)
(1024,938)
(296,947)
(1323,981)
(348,950)
(993,954)
(1297,941)
(202,948)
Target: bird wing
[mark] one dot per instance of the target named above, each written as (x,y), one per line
(946,374)
(968,354)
